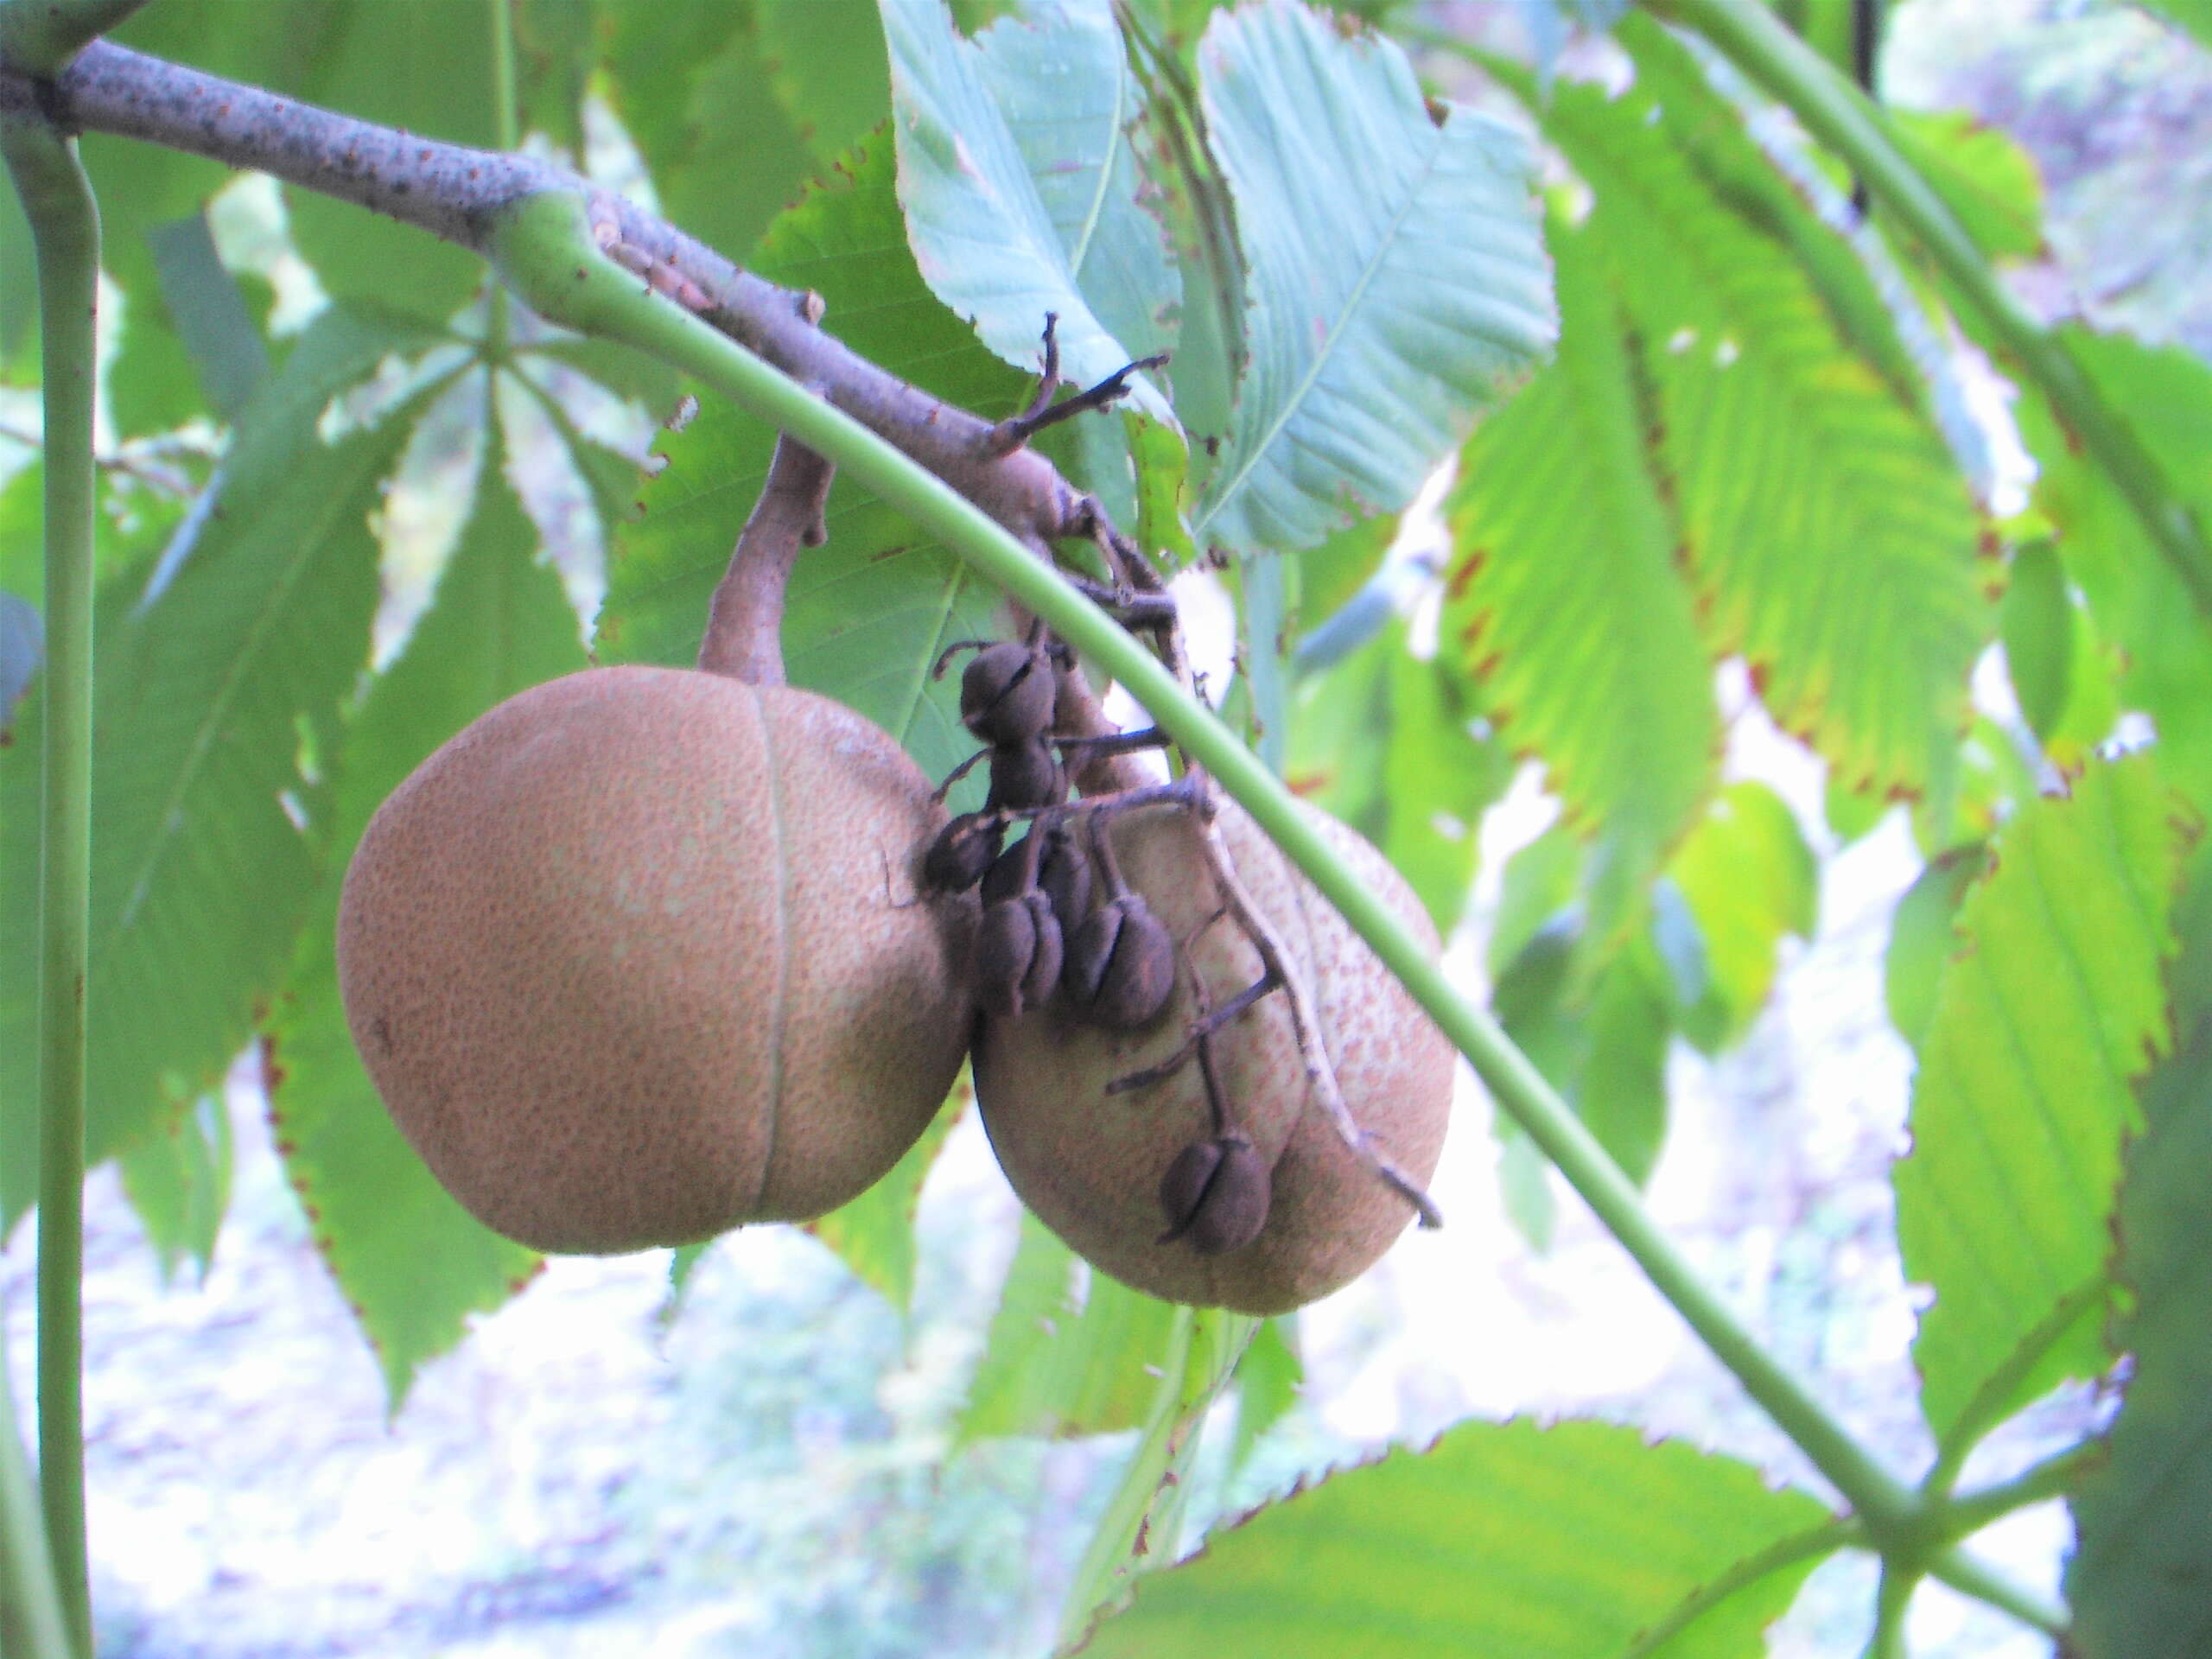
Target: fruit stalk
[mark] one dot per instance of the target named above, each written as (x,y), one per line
(745,623)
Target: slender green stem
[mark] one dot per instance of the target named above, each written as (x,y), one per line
(1759,43)
(1970,1577)
(2053,1477)
(1891,1601)
(545,248)
(65,227)
(30,1605)
(43,36)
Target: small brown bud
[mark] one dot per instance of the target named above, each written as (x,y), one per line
(1215,1194)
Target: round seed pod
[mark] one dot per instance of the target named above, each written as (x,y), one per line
(634,959)
(1006,693)
(1092,1166)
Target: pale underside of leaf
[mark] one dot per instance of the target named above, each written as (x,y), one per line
(982,234)
(1398,283)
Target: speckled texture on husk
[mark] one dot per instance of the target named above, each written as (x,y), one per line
(636,959)
(1089,1164)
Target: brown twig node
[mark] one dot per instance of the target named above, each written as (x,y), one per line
(1011,434)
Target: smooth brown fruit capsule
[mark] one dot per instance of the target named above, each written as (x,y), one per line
(961,852)
(1006,693)
(635,958)
(1120,964)
(1215,1196)
(1064,873)
(1024,776)
(1090,1164)
(1017,954)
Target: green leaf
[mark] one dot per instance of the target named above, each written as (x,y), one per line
(1830,537)
(553,63)
(2141,1580)
(1019,185)
(2139,603)
(1499,1539)
(874,1234)
(1540,882)
(2041,1023)
(427,69)
(826,61)
(1268,1381)
(1069,1352)
(2195,16)
(1600,1040)
(2037,625)
(411,1261)
(210,314)
(693,88)
(1383,741)
(1566,604)
(200,879)
(178,1180)
(1982,174)
(1397,280)
(1924,936)
(1748,879)
(868,612)
(1139,1531)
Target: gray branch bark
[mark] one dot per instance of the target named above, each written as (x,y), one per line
(459,195)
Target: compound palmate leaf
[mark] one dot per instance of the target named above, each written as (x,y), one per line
(1397,280)
(1831,539)
(2141,1582)
(201,875)
(2052,1006)
(411,1261)
(1566,602)
(1018,186)
(1501,1541)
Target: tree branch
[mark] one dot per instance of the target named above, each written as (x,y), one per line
(462,196)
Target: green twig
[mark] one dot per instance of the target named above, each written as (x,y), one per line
(1750,35)
(1891,1600)
(65,227)
(2053,1477)
(1972,1577)
(31,1605)
(545,247)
